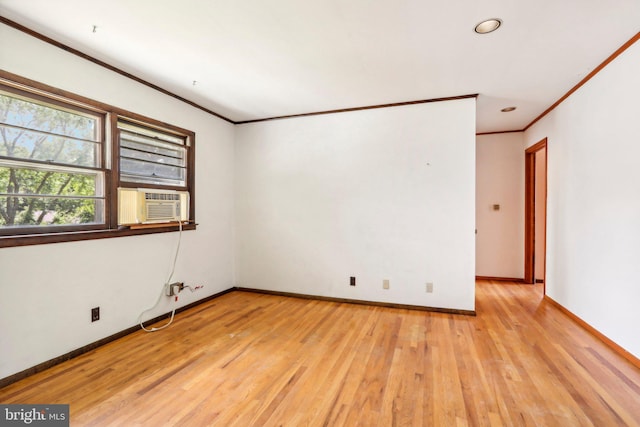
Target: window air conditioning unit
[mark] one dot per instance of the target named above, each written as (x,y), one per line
(149,206)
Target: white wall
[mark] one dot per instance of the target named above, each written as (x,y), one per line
(500,180)
(376,194)
(593,237)
(48,290)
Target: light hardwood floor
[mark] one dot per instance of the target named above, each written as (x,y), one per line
(259,360)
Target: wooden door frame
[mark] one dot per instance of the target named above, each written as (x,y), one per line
(530,211)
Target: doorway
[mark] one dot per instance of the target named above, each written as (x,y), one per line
(535,213)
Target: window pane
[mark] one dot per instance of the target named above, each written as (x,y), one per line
(153,173)
(52,119)
(151,157)
(31,181)
(39,211)
(30,196)
(25,144)
(139,131)
(150,146)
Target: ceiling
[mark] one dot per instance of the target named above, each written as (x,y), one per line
(257,59)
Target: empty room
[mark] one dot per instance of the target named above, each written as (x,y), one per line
(336,213)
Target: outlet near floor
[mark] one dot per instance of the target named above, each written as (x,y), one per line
(95,314)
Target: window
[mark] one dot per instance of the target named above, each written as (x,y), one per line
(51,167)
(150,156)
(63,158)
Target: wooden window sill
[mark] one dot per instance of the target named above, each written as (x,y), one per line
(74,236)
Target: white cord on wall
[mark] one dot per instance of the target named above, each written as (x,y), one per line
(164,287)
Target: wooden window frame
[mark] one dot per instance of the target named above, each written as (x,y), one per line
(110,166)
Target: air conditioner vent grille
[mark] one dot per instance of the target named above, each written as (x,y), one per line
(161,196)
(159,211)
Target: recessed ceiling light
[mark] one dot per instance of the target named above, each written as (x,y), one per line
(488,26)
(508,109)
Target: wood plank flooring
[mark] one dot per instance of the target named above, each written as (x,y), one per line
(259,360)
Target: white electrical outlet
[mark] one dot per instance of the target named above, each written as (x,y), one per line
(385,284)
(429,287)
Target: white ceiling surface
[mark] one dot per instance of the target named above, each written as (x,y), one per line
(256,59)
